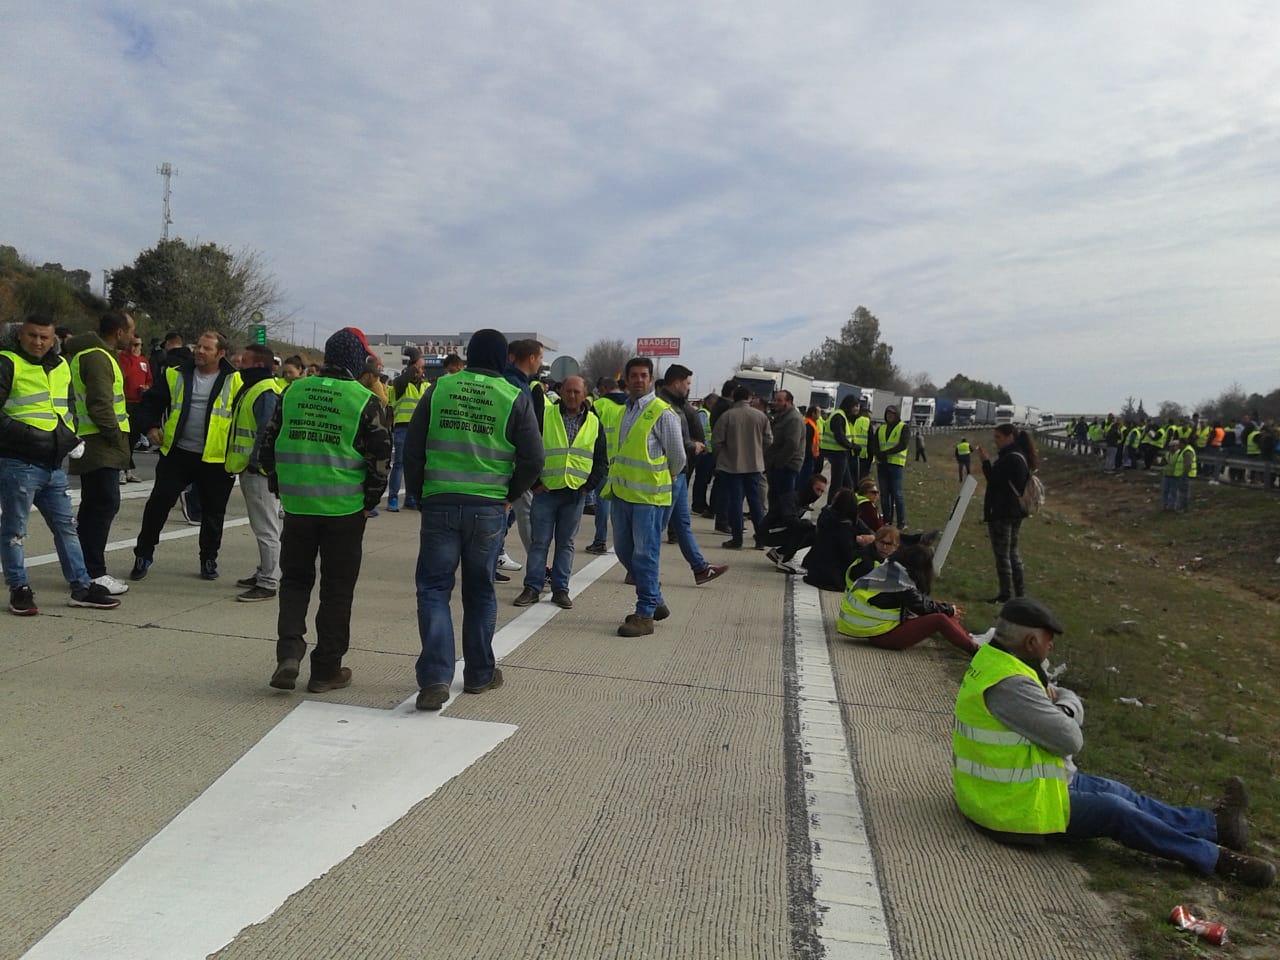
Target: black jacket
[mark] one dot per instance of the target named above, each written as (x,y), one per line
(21,441)
(835,546)
(1006,479)
(690,427)
(156,401)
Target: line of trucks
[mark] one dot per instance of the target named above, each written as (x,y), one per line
(826,395)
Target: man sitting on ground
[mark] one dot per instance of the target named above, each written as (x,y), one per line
(785,529)
(1012,744)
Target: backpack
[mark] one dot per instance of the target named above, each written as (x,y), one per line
(1031,499)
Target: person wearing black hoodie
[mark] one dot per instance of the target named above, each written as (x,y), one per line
(472,448)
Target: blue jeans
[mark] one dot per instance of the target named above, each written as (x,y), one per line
(470,534)
(1105,808)
(554,513)
(637,540)
(23,485)
(682,522)
(397,463)
(892,503)
(738,484)
(603,507)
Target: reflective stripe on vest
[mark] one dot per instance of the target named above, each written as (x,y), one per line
(320,472)
(1003,781)
(610,414)
(407,402)
(567,464)
(84,425)
(861,428)
(828,439)
(885,440)
(218,427)
(244,425)
(467,448)
(633,475)
(38,397)
(859,618)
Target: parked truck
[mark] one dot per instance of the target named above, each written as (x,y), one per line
(966,413)
(875,402)
(986,413)
(923,410)
(826,395)
(945,415)
(765,383)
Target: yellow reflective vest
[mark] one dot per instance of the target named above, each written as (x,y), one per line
(218,428)
(567,464)
(38,397)
(85,426)
(634,475)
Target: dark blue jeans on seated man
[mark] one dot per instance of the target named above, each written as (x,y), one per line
(737,486)
(22,486)
(554,514)
(781,480)
(638,529)
(452,535)
(1106,808)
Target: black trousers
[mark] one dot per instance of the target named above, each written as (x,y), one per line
(99,504)
(338,543)
(174,471)
(135,433)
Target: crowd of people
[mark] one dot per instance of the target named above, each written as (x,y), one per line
(489,446)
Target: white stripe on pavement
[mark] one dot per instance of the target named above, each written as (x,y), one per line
(129,544)
(851,916)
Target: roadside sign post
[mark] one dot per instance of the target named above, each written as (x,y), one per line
(953,522)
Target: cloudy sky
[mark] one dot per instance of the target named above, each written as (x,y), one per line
(1080,201)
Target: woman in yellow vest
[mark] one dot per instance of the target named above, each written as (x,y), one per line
(890,607)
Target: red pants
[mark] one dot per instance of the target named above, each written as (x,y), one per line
(913,630)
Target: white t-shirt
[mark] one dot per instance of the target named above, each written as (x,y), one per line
(194,429)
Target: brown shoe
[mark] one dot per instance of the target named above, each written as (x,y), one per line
(433,696)
(1231,812)
(494,683)
(527,597)
(339,680)
(561,599)
(710,573)
(286,675)
(635,626)
(1248,870)
(661,612)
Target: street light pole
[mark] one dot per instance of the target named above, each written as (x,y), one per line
(745,341)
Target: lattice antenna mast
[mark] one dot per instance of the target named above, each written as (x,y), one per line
(168,171)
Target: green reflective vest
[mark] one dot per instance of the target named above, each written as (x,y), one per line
(634,476)
(1134,440)
(828,439)
(36,397)
(1202,436)
(84,425)
(886,438)
(704,418)
(610,414)
(859,618)
(963,449)
(319,470)
(467,447)
(567,464)
(1251,446)
(860,430)
(219,425)
(244,426)
(1002,780)
(406,402)
(1181,464)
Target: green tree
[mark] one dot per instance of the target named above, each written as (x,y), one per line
(858,356)
(961,387)
(195,288)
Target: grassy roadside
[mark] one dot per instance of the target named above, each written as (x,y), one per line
(1179,612)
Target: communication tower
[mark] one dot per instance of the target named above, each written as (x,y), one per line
(168,171)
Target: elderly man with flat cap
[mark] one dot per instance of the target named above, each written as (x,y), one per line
(1013,739)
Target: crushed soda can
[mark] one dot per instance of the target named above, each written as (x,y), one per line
(1208,931)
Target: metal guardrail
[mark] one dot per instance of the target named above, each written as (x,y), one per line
(1221,467)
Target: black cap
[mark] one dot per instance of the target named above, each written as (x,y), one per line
(1027,612)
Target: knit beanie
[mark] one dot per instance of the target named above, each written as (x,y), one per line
(347,349)
(487,350)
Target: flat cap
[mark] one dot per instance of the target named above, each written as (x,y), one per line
(1027,612)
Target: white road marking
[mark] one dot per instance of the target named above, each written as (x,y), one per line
(129,544)
(326,779)
(851,916)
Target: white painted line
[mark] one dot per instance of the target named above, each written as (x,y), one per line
(851,915)
(326,779)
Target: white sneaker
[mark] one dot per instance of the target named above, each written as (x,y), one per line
(111,584)
(506,563)
(982,639)
(791,568)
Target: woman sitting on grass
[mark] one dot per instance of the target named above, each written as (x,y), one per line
(890,607)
